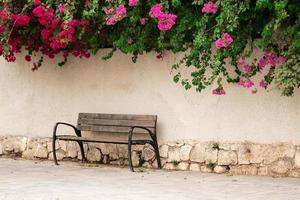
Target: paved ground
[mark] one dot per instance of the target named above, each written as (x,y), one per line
(29,180)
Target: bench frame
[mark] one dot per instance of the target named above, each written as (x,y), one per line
(130,142)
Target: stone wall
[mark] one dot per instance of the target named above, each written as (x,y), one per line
(236,158)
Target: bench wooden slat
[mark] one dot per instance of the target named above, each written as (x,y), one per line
(110,129)
(110,122)
(118,116)
(87,139)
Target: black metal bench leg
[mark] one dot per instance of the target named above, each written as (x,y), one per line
(156,150)
(129,151)
(83,158)
(54,151)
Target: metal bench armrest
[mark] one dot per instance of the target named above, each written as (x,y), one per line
(141,127)
(77,132)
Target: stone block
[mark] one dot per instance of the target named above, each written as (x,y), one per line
(185,152)
(195,167)
(173,154)
(63,145)
(162,160)
(204,152)
(169,166)
(136,158)
(206,169)
(14,145)
(243,170)
(220,169)
(227,157)
(105,159)
(294,173)
(263,171)
(41,151)
(72,150)
(147,165)
(94,155)
(244,155)
(183,166)
(1,148)
(163,151)
(109,149)
(281,167)
(297,159)
(266,154)
(123,151)
(60,155)
(148,153)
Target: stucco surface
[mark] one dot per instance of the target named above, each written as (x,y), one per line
(30,102)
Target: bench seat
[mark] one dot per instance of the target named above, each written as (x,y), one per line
(88,139)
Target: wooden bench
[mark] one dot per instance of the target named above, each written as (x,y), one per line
(111,123)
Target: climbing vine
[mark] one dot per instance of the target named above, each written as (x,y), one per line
(217,36)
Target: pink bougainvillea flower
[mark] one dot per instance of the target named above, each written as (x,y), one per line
(143,20)
(30,43)
(281,60)
(156,11)
(111,20)
(39,11)
(1,49)
(61,8)
(218,91)
(108,11)
(133,3)
(270,59)
(262,63)
(223,42)
(263,84)
(87,3)
(45,34)
(21,20)
(227,39)
(247,68)
(28,58)
(243,65)
(246,84)
(36,2)
(166,22)
(219,44)
(2,29)
(240,61)
(210,7)
(121,11)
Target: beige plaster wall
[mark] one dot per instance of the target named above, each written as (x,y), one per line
(30,103)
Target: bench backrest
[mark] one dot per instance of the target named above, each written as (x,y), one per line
(115,123)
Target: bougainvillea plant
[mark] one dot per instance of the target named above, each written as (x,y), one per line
(216,36)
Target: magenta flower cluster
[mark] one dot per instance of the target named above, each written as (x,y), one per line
(165,20)
(210,7)
(118,16)
(246,83)
(270,59)
(218,91)
(133,3)
(223,42)
(241,63)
